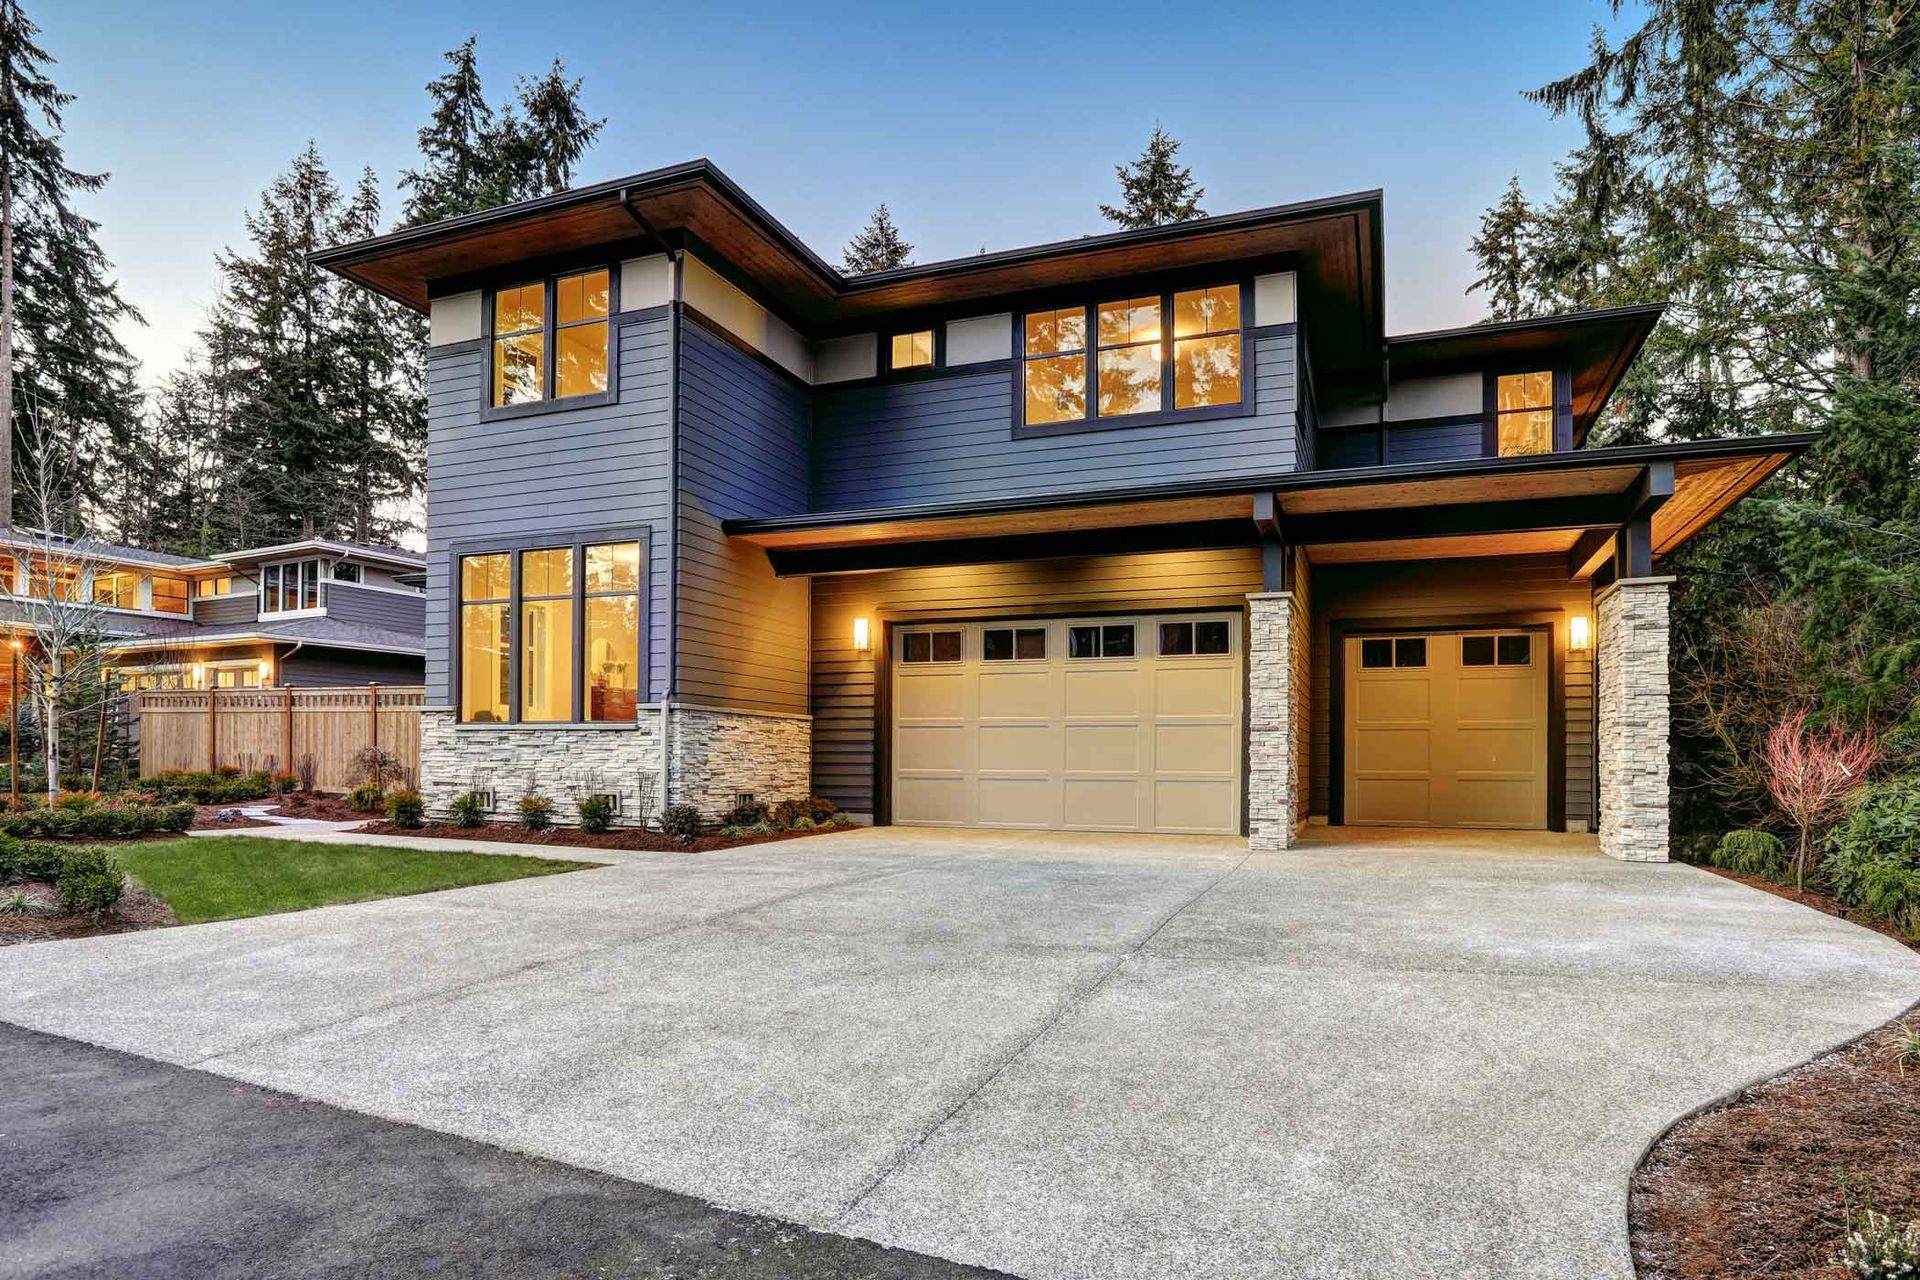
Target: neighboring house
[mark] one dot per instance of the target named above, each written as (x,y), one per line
(307,613)
(1156,530)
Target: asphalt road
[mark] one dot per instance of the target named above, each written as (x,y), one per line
(112,1165)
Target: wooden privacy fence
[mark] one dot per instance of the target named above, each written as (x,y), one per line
(277,728)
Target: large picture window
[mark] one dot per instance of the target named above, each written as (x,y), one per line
(549,339)
(552,634)
(290,587)
(1138,367)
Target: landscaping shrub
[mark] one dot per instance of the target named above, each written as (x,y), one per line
(818,809)
(1877,1249)
(90,881)
(76,801)
(682,820)
(406,807)
(99,821)
(9,859)
(1751,853)
(366,798)
(41,861)
(596,814)
(536,811)
(227,771)
(309,770)
(469,810)
(748,813)
(1873,855)
(283,783)
(226,786)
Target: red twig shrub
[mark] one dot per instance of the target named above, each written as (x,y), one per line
(1810,774)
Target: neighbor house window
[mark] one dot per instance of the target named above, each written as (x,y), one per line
(9,575)
(568,618)
(169,594)
(911,350)
(220,586)
(117,590)
(54,582)
(290,586)
(346,572)
(1523,413)
(549,338)
(1172,352)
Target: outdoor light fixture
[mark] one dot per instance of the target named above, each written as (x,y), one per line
(862,638)
(1577,633)
(266,672)
(199,675)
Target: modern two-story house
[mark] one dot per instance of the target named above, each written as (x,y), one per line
(308,613)
(1150,531)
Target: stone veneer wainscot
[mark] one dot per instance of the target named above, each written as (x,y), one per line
(1633,718)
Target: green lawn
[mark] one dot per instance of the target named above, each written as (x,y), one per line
(233,876)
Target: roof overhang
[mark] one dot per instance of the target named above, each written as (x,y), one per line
(1597,346)
(1334,244)
(1568,503)
(228,640)
(324,547)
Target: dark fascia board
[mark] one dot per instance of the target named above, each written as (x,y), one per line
(1287,482)
(1649,311)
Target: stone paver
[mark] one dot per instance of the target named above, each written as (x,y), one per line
(1056,1055)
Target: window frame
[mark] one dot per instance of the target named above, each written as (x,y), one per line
(1490,414)
(575,542)
(153,595)
(1163,291)
(301,609)
(550,328)
(888,373)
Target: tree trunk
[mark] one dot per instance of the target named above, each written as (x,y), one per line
(6,332)
(50,702)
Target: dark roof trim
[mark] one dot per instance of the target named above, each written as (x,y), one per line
(1567,320)
(1285,482)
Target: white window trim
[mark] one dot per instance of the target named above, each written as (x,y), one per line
(305,611)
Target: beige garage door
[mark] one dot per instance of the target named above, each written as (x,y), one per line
(1083,724)
(1447,729)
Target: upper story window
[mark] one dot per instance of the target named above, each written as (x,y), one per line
(53,582)
(290,587)
(221,585)
(549,338)
(344,572)
(169,594)
(1523,413)
(911,350)
(1138,366)
(117,590)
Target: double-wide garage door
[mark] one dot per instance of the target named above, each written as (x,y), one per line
(1447,729)
(1092,724)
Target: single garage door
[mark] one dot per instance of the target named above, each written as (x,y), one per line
(1447,729)
(1082,724)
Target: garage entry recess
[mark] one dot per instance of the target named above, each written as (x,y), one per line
(1447,729)
(1128,723)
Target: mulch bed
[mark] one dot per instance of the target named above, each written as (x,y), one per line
(137,910)
(637,841)
(206,817)
(316,805)
(1753,1188)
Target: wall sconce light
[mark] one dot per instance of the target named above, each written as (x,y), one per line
(862,637)
(266,672)
(1577,638)
(199,675)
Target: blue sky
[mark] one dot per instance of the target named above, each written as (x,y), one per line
(980,124)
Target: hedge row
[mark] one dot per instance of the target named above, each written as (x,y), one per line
(97,821)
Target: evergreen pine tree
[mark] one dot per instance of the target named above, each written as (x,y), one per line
(1155,190)
(58,301)
(878,247)
(1505,254)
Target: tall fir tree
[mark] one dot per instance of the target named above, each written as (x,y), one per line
(475,157)
(1505,252)
(58,301)
(1156,190)
(878,247)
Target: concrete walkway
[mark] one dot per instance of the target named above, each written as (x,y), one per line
(1059,1056)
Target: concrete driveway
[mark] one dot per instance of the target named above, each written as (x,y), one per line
(1059,1056)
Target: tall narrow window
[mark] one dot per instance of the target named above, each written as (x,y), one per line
(485,590)
(1523,413)
(580,334)
(612,674)
(1130,354)
(1056,365)
(520,344)
(546,631)
(1206,347)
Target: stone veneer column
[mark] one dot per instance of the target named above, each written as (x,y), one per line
(1273,729)
(1633,694)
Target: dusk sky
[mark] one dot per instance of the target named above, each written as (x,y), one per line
(979,124)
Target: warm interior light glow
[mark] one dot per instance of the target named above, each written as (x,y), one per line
(199,675)
(16,644)
(1577,633)
(862,642)
(266,672)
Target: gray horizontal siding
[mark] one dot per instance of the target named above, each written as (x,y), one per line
(1444,442)
(1337,449)
(317,668)
(743,451)
(559,472)
(951,438)
(388,609)
(216,611)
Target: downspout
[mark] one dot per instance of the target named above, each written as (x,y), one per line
(675,270)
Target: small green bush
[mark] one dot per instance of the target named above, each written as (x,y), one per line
(682,821)
(1878,1249)
(228,786)
(90,881)
(748,813)
(105,821)
(9,859)
(536,811)
(596,814)
(41,861)
(366,798)
(1873,855)
(818,809)
(284,783)
(406,807)
(76,801)
(469,810)
(1751,853)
